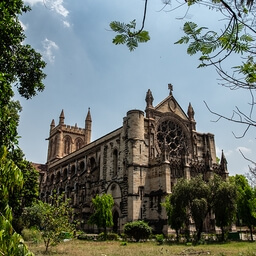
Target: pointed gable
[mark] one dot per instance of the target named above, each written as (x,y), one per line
(170,105)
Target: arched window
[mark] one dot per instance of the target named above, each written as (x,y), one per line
(115,162)
(67,145)
(79,143)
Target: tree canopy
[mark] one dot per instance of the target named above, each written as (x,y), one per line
(20,66)
(102,214)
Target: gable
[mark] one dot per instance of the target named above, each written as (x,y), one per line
(170,105)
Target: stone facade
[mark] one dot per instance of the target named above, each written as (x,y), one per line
(138,163)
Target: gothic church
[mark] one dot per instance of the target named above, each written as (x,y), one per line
(138,163)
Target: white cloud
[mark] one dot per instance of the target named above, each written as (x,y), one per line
(32,2)
(243,149)
(66,24)
(54,5)
(49,47)
(57,5)
(24,26)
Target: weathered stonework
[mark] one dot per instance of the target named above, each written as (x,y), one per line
(138,163)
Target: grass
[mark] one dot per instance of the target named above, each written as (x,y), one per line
(114,248)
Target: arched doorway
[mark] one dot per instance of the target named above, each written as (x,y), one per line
(116,223)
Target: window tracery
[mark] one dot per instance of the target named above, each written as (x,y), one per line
(171,138)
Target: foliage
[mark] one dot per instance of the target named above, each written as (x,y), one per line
(176,208)
(160,239)
(195,199)
(51,220)
(22,66)
(102,215)
(109,237)
(127,34)
(31,234)
(189,198)
(223,203)
(246,202)
(11,243)
(25,196)
(139,230)
(21,63)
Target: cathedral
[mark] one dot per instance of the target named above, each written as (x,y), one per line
(138,163)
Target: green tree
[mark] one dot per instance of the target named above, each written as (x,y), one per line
(176,207)
(223,201)
(50,219)
(138,230)
(25,196)
(246,202)
(102,215)
(11,243)
(22,66)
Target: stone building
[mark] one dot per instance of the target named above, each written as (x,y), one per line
(138,163)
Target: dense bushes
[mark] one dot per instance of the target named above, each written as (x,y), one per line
(138,230)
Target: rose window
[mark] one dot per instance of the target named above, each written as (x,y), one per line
(171,138)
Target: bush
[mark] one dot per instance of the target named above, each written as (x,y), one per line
(32,235)
(138,230)
(88,237)
(110,237)
(160,239)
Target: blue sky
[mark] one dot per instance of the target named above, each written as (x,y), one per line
(84,69)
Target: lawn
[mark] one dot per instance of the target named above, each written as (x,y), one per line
(114,248)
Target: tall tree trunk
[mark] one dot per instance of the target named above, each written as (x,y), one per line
(222,233)
(177,235)
(199,231)
(251,232)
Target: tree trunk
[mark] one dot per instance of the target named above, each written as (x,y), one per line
(177,235)
(222,233)
(251,232)
(199,232)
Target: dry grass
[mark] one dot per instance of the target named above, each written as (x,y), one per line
(78,247)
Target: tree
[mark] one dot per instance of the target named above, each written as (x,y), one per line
(11,243)
(198,202)
(237,35)
(223,202)
(25,196)
(50,219)
(246,202)
(137,230)
(22,66)
(102,215)
(176,213)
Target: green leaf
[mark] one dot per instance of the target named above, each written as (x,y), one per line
(119,39)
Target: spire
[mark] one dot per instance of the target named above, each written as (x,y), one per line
(223,162)
(88,127)
(191,112)
(149,98)
(88,117)
(52,124)
(61,118)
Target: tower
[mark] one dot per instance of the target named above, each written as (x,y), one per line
(65,139)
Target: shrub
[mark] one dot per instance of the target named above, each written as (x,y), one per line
(160,239)
(32,234)
(109,236)
(137,230)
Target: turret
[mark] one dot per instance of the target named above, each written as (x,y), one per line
(191,114)
(61,118)
(88,128)
(52,124)
(224,166)
(149,100)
